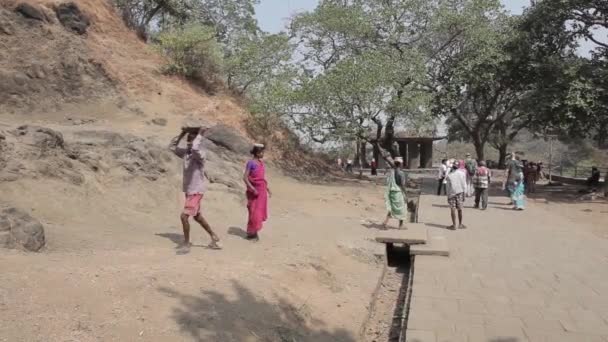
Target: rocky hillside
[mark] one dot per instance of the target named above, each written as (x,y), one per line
(84,107)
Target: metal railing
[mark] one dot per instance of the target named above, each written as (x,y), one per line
(577,171)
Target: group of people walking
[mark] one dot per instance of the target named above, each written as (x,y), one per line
(195,180)
(459,179)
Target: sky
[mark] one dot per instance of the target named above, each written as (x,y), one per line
(273,15)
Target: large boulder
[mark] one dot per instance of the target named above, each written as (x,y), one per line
(44,138)
(31,11)
(72,18)
(19,230)
(228,138)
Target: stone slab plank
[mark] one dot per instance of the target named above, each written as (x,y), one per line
(435,245)
(415,234)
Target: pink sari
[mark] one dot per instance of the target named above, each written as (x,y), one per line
(257,205)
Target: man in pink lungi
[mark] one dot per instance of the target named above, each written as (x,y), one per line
(194,184)
(257,192)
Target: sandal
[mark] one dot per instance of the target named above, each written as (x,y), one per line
(462,226)
(214,245)
(451,228)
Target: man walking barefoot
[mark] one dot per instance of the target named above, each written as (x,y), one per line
(481,181)
(456,188)
(193,184)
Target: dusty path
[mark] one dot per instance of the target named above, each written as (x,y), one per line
(116,277)
(537,275)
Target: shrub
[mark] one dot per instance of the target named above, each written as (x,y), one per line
(193,52)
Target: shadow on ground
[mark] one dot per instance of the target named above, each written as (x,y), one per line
(434,225)
(237,231)
(177,239)
(373,225)
(213,316)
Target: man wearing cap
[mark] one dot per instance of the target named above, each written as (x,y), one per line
(470,165)
(193,183)
(456,188)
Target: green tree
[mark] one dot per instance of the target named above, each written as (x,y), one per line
(256,61)
(472,81)
(192,52)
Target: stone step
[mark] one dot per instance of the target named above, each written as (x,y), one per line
(413,235)
(436,245)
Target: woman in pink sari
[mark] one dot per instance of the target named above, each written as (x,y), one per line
(257,192)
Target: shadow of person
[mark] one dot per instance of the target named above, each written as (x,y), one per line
(213,316)
(437,225)
(237,231)
(178,239)
(441,206)
(373,225)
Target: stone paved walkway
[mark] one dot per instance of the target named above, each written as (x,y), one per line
(511,277)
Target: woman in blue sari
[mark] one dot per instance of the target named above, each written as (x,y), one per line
(515,183)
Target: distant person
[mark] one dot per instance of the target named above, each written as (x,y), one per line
(514,182)
(449,164)
(456,187)
(193,183)
(349,165)
(594,181)
(481,182)
(539,171)
(531,176)
(340,166)
(442,172)
(470,165)
(374,166)
(395,195)
(257,192)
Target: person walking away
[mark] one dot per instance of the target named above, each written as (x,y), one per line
(470,165)
(482,181)
(531,177)
(593,182)
(395,195)
(442,172)
(511,169)
(257,192)
(456,187)
(349,165)
(374,167)
(193,183)
(515,183)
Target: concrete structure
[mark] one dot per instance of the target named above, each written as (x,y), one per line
(417,152)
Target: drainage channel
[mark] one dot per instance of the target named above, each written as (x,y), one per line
(389,308)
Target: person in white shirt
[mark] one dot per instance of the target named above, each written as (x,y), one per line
(442,172)
(456,188)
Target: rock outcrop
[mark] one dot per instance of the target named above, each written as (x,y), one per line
(19,230)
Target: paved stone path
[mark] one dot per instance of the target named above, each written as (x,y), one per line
(511,277)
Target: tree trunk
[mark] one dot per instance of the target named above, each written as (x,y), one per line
(479,147)
(357,161)
(389,137)
(502,155)
(376,153)
(363,154)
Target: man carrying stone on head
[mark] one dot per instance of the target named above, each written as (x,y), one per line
(456,188)
(194,182)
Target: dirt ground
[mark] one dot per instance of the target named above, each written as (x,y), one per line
(110,271)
